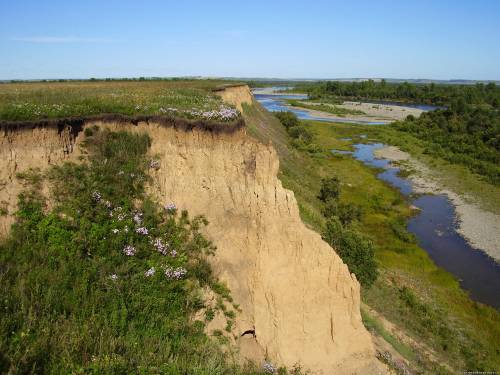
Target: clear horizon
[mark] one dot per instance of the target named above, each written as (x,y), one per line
(449,40)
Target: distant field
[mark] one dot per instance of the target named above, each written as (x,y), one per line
(192,99)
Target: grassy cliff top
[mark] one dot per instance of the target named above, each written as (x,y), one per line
(191,99)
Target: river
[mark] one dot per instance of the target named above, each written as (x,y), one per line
(435,229)
(435,224)
(276,103)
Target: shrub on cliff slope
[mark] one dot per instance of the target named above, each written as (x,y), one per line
(288,119)
(107,281)
(355,250)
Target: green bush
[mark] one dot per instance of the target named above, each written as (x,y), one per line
(300,133)
(288,119)
(355,250)
(330,189)
(346,212)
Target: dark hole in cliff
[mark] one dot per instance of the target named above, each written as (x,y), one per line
(249,332)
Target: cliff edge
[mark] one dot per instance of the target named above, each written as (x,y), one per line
(294,292)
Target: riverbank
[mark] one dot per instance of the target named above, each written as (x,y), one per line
(372,111)
(481,228)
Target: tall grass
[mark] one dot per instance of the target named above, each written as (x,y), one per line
(34,101)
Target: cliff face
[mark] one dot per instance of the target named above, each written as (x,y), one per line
(293,290)
(292,287)
(236,95)
(22,149)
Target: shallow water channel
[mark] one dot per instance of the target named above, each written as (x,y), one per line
(435,229)
(276,103)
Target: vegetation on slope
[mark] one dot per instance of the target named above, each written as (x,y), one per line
(353,248)
(411,291)
(107,280)
(187,99)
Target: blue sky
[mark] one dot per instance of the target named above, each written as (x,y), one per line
(439,39)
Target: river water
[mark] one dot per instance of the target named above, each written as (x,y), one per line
(276,103)
(435,229)
(435,224)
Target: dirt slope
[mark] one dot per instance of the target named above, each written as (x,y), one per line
(293,290)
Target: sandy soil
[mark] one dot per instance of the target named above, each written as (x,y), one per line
(393,112)
(373,112)
(347,118)
(479,227)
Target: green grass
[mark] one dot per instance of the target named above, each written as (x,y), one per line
(471,330)
(34,101)
(73,301)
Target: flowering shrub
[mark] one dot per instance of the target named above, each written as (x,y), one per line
(96,196)
(221,114)
(175,273)
(142,230)
(104,229)
(269,368)
(170,207)
(154,164)
(129,250)
(160,246)
(150,272)
(138,218)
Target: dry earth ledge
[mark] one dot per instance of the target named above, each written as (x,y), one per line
(293,290)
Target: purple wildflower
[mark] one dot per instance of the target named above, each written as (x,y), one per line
(142,230)
(138,218)
(170,207)
(160,246)
(269,368)
(155,164)
(175,273)
(129,250)
(96,196)
(150,272)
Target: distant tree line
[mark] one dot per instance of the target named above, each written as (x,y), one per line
(435,94)
(467,135)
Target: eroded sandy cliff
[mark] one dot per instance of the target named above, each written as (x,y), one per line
(292,288)
(236,95)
